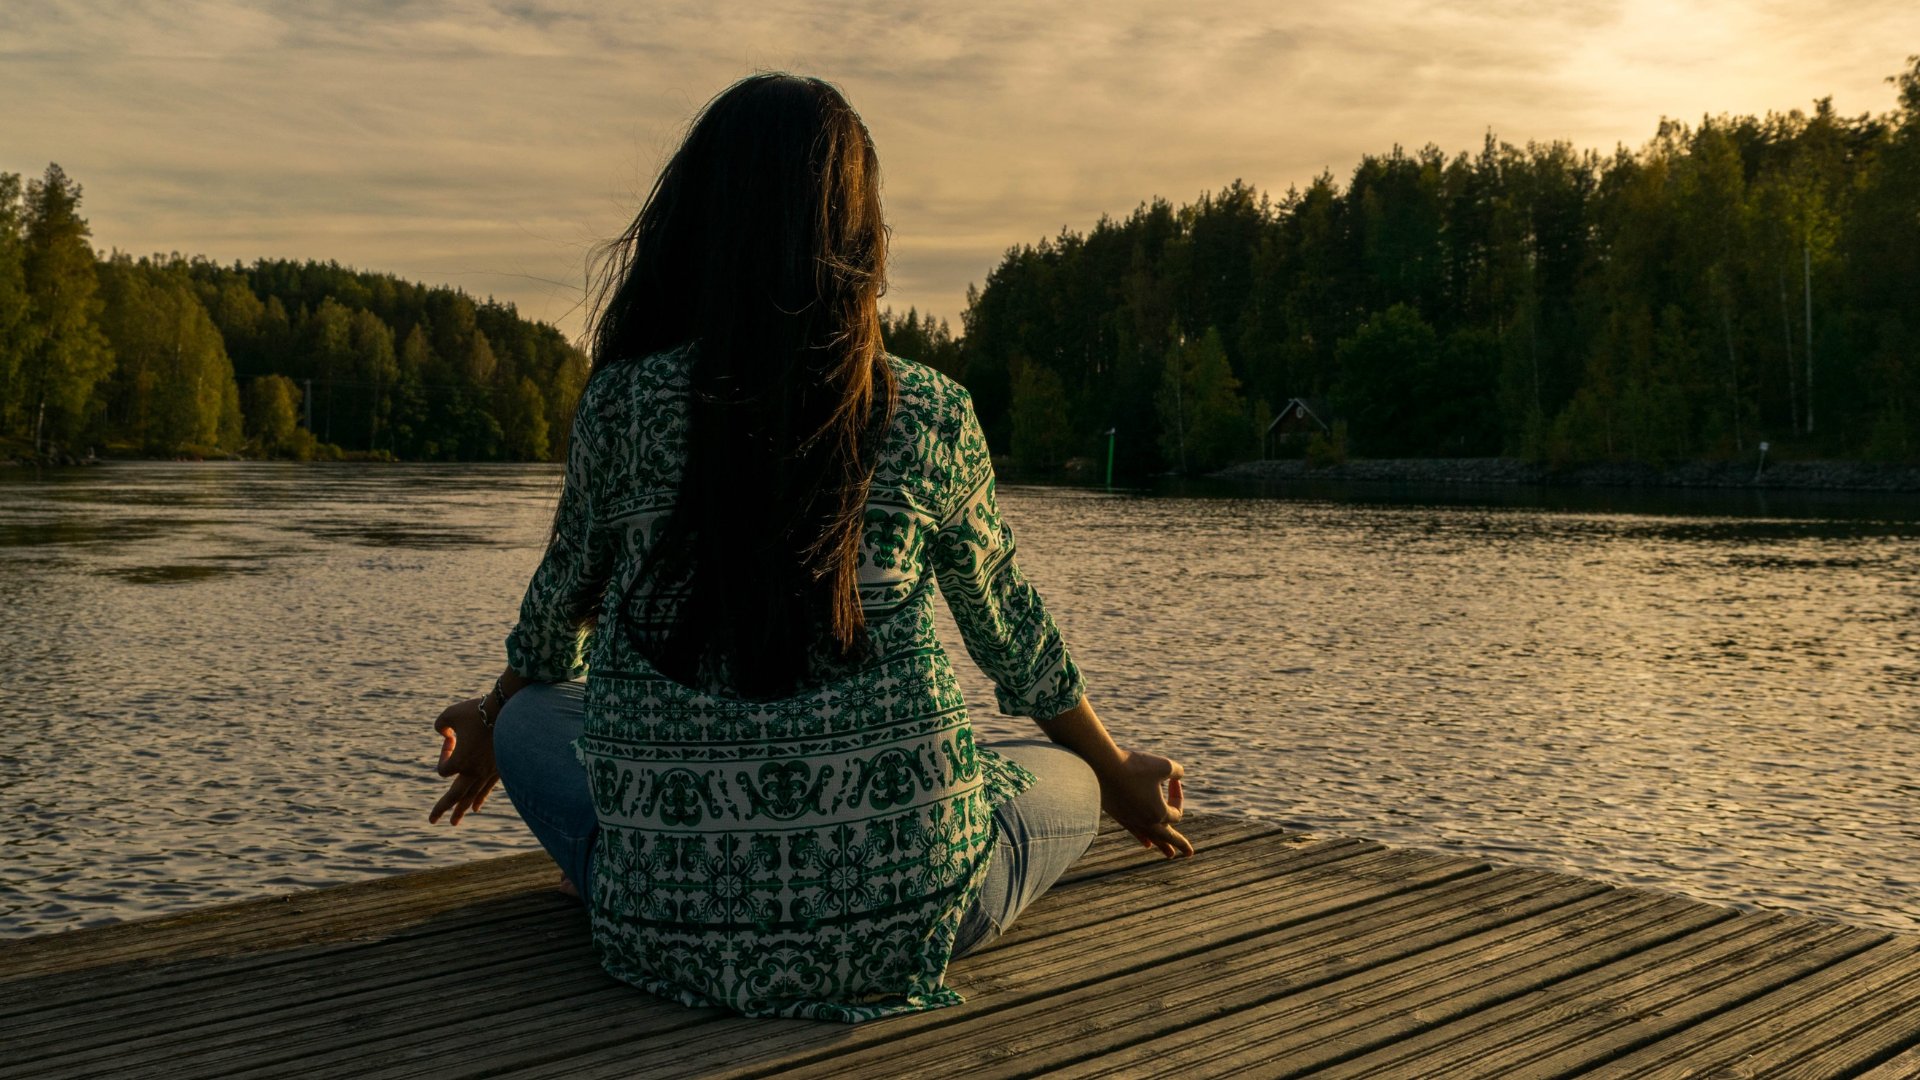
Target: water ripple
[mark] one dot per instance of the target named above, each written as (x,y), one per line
(223,676)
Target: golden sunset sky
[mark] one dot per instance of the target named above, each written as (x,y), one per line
(491,144)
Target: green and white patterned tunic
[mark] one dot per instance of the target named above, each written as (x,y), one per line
(808,857)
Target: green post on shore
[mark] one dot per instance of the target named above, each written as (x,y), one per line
(1110,432)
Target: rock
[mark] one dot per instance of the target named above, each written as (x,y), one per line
(1806,475)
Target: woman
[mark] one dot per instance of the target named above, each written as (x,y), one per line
(767,790)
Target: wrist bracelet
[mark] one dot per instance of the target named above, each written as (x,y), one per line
(486,717)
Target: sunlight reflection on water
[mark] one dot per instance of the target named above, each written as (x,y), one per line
(223,676)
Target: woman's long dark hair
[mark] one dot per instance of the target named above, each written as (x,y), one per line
(762,246)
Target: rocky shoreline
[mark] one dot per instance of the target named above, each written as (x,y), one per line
(52,459)
(1785,475)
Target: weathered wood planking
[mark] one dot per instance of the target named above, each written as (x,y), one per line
(1270,955)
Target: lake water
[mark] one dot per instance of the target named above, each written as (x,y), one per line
(219,679)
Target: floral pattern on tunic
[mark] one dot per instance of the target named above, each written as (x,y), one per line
(812,856)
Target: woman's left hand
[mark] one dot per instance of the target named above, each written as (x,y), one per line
(1131,794)
(466,754)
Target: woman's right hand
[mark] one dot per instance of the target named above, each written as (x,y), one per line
(466,755)
(1129,780)
(1130,793)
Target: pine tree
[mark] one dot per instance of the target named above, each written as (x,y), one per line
(172,389)
(13,294)
(67,356)
(1204,422)
(411,416)
(480,362)
(375,369)
(1390,384)
(563,389)
(273,414)
(1042,432)
(326,341)
(525,422)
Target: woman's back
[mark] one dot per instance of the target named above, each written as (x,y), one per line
(796,856)
(768,790)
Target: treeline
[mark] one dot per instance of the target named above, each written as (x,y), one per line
(1749,278)
(182,356)
(1746,279)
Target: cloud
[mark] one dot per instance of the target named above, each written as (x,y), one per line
(491,143)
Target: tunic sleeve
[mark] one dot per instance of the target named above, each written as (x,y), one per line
(1005,626)
(550,641)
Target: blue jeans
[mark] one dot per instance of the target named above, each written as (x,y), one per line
(1042,833)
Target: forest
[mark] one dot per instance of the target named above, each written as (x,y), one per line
(1741,280)
(182,357)
(1738,280)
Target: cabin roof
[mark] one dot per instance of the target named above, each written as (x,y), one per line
(1315,407)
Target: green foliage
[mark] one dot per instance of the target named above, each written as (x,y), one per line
(172,389)
(1464,418)
(372,368)
(13,293)
(1747,278)
(273,418)
(1043,435)
(525,421)
(1204,422)
(1408,394)
(569,378)
(153,353)
(1881,238)
(64,356)
(1389,369)
(918,337)
(410,419)
(1326,449)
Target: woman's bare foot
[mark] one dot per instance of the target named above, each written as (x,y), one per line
(567,889)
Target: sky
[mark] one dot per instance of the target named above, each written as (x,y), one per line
(493,144)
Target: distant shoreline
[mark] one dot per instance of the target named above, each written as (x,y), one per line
(1501,472)
(1781,476)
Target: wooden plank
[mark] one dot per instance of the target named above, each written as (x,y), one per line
(341,913)
(416,1039)
(1115,850)
(408,1038)
(289,1027)
(1029,973)
(258,990)
(1896,1028)
(1838,948)
(66,997)
(544,1028)
(1576,1024)
(78,976)
(151,989)
(1230,1034)
(1271,954)
(1057,912)
(1795,1019)
(1904,1065)
(1142,1001)
(1211,919)
(215,996)
(400,1047)
(1159,886)
(239,1002)
(1297,1032)
(328,910)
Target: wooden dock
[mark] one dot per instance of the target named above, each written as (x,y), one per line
(1267,955)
